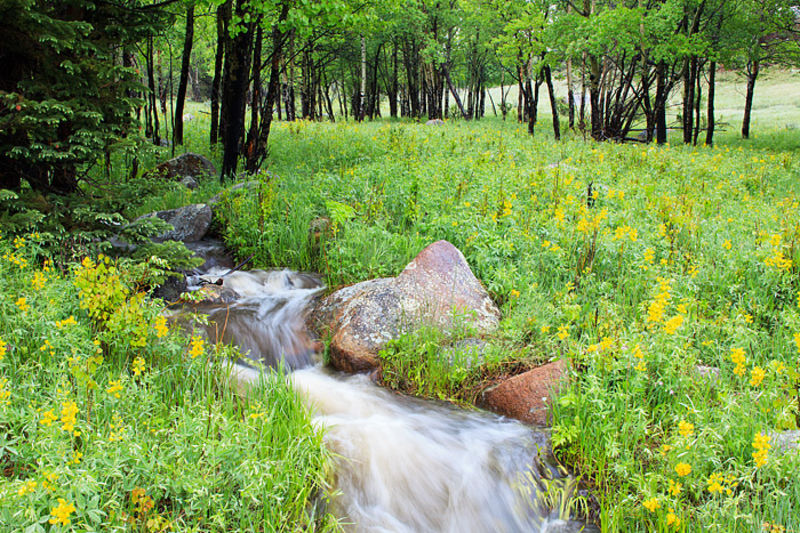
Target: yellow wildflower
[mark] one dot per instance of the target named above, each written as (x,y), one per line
(672,519)
(22,303)
(737,356)
(651,505)
(5,394)
(672,325)
(683,469)
(26,487)
(114,387)
(686,429)
(761,445)
(61,512)
(197,346)
(69,410)
(48,417)
(757,376)
(727,244)
(137,366)
(675,487)
(563,332)
(39,281)
(3,349)
(715,483)
(66,322)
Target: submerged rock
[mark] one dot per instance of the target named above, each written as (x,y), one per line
(527,396)
(187,164)
(437,288)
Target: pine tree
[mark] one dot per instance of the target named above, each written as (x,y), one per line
(65,96)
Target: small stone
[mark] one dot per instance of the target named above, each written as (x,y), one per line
(189,182)
(527,396)
(710,373)
(785,441)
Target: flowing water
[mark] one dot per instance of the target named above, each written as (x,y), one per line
(403,464)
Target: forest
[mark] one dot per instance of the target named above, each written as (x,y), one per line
(433,265)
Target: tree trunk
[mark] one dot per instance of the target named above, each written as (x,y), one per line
(712,76)
(752,74)
(151,81)
(252,151)
(688,100)
(223,15)
(570,94)
(446,73)
(660,105)
(187,54)
(697,99)
(594,98)
(234,95)
(273,88)
(553,104)
(363,91)
(393,84)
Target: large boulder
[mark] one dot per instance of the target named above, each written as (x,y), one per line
(527,396)
(437,288)
(190,223)
(187,164)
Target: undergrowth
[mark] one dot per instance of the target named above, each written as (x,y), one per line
(111,419)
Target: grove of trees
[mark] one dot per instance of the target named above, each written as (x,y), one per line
(83,78)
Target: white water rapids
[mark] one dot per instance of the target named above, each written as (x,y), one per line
(402,464)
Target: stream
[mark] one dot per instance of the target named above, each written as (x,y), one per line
(402,464)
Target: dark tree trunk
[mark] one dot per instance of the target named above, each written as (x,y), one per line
(594,98)
(712,76)
(393,84)
(234,95)
(548,79)
(187,54)
(151,82)
(697,98)
(261,147)
(688,99)
(223,15)
(660,105)
(752,74)
(252,150)
(446,72)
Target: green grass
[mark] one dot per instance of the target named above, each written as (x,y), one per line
(128,426)
(709,235)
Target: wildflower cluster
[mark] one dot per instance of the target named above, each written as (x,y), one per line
(761,446)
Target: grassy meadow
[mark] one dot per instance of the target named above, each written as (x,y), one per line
(637,264)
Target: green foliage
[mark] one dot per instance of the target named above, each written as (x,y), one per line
(66,101)
(682,254)
(113,420)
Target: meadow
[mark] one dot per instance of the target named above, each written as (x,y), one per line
(667,276)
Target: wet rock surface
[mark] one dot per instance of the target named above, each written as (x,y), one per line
(527,396)
(437,288)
